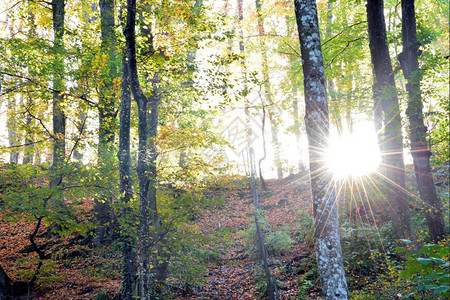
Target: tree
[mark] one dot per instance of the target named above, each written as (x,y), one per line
(268,92)
(326,223)
(127,234)
(146,169)
(11,124)
(388,122)
(107,115)
(417,131)
(239,20)
(59,119)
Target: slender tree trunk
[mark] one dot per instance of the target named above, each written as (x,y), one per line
(268,93)
(183,161)
(106,106)
(240,19)
(335,104)
(29,134)
(295,103)
(127,233)
(12,130)
(418,132)
(326,223)
(81,119)
(11,123)
(297,127)
(106,110)
(386,104)
(161,255)
(29,137)
(259,235)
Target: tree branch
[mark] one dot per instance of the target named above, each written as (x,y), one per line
(40,121)
(26,144)
(82,97)
(346,28)
(343,49)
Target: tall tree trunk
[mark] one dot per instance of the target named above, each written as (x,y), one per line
(147,176)
(418,132)
(386,104)
(59,119)
(326,223)
(127,234)
(268,93)
(106,110)
(160,257)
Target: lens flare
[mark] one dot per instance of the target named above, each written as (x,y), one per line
(355,154)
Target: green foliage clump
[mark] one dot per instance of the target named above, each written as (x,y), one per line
(188,268)
(305,224)
(279,242)
(370,259)
(428,270)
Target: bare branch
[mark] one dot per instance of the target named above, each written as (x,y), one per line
(26,144)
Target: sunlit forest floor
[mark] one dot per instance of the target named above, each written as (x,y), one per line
(232,268)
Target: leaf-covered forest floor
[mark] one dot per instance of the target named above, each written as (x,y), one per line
(77,271)
(80,272)
(235,275)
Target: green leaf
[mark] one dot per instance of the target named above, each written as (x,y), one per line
(427,287)
(424,261)
(400,250)
(442,289)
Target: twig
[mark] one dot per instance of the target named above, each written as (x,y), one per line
(82,97)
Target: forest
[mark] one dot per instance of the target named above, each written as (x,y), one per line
(224,149)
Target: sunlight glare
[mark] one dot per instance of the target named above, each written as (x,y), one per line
(355,154)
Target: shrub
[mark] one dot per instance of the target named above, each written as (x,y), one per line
(428,270)
(279,242)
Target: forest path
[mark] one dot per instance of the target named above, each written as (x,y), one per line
(236,274)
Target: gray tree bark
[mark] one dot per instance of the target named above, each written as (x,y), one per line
(417,130)
(150,278)
(326,223)
(127,233)
(107,114)
(388,122)
(58,116)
